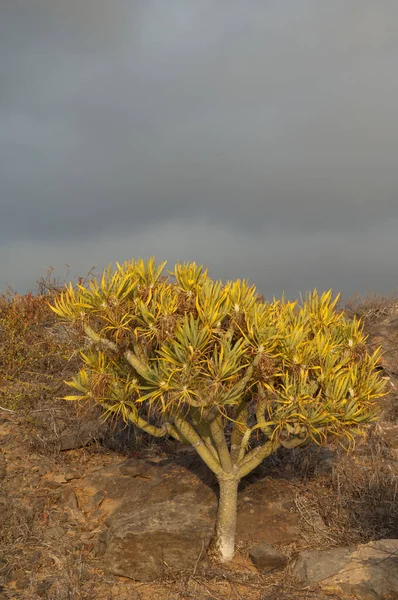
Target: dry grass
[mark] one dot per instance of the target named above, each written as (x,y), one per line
(342,498)
(366,487)
(35,354)
(372,307)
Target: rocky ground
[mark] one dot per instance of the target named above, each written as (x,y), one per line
(87,511)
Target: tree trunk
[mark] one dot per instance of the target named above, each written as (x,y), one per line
(226,518)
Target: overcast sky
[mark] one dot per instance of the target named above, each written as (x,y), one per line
(259,137)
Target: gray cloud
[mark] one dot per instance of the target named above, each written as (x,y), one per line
(262,135)
(364,264)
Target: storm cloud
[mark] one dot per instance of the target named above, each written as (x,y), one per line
(257,137)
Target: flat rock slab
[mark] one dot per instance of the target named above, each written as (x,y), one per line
(314,566)
(160,517)
(367,572)
(373,568)
(267,513)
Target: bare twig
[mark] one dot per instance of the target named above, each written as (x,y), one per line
(8,410)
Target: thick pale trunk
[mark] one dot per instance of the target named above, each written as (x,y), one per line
(226,519)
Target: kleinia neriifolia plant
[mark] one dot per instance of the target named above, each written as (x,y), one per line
(214,366)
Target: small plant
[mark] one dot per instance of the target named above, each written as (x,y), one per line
(216,367)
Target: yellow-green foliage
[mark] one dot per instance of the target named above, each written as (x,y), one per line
(177,348)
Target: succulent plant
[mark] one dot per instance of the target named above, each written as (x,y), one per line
(215,366)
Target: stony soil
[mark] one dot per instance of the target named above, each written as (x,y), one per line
(314,499)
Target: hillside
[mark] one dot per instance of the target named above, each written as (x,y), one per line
(55,458)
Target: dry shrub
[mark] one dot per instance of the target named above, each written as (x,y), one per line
(366,490)
(371,307)
(354,494)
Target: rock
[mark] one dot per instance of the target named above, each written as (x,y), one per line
(266,513)
(81,437)
(68,499)
(95,501)
(372,567)
(100,544)
(313,566)
(160,517)
(136,468)
(53,480)
(70,475)
(170,531)
(266,558)
(362,592)
(367,572)
(58,478)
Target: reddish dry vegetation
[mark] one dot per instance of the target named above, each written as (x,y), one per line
(340,499)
